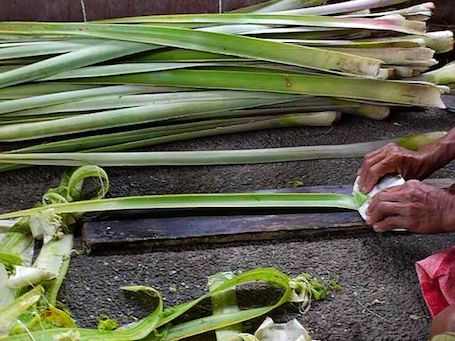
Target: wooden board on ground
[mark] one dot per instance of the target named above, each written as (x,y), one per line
(122,230)
(139,229)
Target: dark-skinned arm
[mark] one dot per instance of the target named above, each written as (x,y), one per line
(415,206)
(419,165)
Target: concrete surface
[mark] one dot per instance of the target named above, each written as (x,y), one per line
(372,268)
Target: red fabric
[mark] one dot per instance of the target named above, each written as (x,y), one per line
(437,280)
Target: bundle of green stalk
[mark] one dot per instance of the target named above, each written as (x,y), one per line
(29,285)
(157,79)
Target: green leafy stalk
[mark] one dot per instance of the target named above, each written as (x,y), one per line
(129,97)
(393,92)
(278,5)
(10,313)
(184,201)
(389,24)
(68,61)
(65,97)
(55,257)
(126,117)
(346,6)
(156,326)
(209,42)
(442,76)
(219,157)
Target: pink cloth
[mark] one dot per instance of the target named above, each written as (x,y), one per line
(437,280)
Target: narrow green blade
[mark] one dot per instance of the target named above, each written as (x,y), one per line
(393,92)
(389,24)
(210,42)
(184,201)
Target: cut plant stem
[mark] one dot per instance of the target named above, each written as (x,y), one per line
(389,24)
(444,75)
(278,5)
(126,117)
(68,61)
(185,201)
(68,96)
(193,158)
(130,96)
(128,140)
(345,7)
(392,92)
(210,42)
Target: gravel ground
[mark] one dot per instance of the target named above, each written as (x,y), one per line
(380,298)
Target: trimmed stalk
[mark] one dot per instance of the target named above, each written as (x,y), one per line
(65,97)
(126,117)
(127,68)
(109,146)
(29,90)
(425,9)
(210,42)
(345,7)
(129,100)
(68,61)
(442,76)
(391,92)
(278,5)
(31,50)
(398,56)
(441,41)
(164,134)
(185,201)
(220,157)
(388,24)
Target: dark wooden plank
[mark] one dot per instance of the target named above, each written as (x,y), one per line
(128,229)
(120,234)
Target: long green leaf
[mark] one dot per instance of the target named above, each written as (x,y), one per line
(393,92)
(68,96)
(210,42)
(389,24)
(219,157)
(184,201)
(124,97)
(127,140)
(44,88)
(278,5)
(68,61)
(126,117)
(161,318)
(40,50)
(345,7)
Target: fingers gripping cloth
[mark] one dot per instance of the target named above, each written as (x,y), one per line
(437,280)
(387,182)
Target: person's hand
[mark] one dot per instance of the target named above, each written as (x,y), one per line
(393,159)
(414,206)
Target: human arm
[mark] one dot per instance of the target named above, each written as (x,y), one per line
(414,206)
(393,159)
